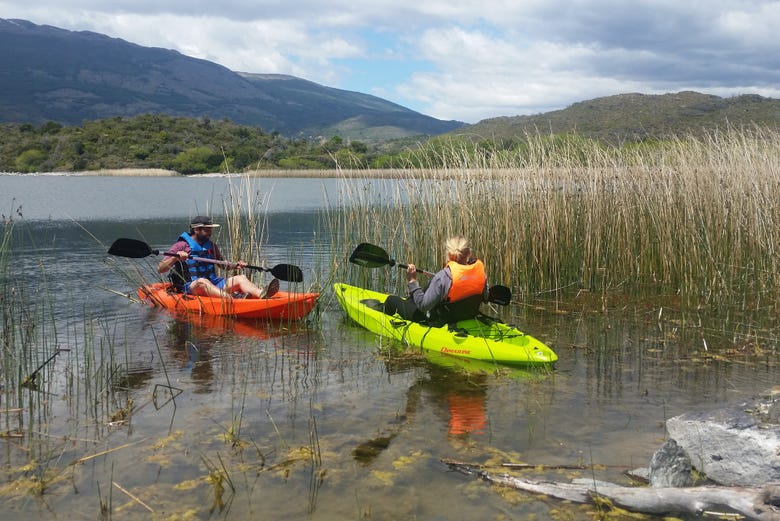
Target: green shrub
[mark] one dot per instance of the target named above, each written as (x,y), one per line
(197,160)
(30,160)
(299,163)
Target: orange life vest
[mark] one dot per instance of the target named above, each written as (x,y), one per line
(467,280)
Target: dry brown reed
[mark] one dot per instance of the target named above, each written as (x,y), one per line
(694,218)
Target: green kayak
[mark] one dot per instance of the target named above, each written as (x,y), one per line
(480,338)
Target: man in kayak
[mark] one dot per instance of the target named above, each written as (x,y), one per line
(454,293)
(200,278)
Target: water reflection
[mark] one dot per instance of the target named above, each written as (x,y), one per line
(136,376)
(95,198)
(192,352)
(457,398)
(194,341)
(454,391)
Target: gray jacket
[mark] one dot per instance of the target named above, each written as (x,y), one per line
(435,292)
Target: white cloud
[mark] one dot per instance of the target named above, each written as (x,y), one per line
(756,29)
(468,60)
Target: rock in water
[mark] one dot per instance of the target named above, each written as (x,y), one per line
(670,466)
(738,445)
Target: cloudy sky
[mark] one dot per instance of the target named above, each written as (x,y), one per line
(458,59)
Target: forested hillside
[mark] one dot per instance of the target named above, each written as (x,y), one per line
(637,117)
(187,145)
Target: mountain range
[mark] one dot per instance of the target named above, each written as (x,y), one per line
(52,74)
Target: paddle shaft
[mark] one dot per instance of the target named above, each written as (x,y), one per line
(419,270)
(282,271)
(218,262)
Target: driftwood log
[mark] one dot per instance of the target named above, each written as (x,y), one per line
(758,503)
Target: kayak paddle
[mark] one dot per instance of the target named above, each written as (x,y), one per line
(135,249)
(372,256)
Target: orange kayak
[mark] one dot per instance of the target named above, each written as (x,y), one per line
(282,305)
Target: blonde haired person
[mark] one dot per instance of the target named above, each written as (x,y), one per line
(454,293)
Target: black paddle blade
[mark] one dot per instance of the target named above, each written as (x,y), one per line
(131,248)
(500,295)
(370,256)
(288,272)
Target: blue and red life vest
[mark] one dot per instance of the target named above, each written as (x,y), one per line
(207,251)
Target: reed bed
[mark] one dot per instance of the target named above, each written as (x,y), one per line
(50,370)
(27,345)
(693,219)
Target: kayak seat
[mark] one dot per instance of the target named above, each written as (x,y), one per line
(177,278)
(272,289)
(452,312)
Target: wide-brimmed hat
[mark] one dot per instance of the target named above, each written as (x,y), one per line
(203,221)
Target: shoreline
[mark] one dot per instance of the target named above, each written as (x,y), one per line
(395,173)
(335,173)
(161,172)
(108,172)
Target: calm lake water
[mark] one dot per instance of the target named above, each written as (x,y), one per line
(318,419)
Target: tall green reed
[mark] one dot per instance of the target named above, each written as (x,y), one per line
(693,219)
